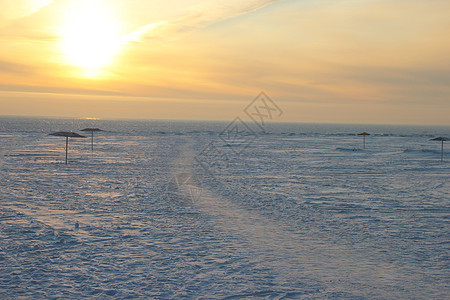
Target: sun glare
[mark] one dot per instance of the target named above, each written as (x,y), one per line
(90,37)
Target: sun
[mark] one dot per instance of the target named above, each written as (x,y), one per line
(90,37)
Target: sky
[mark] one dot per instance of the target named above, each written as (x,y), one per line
(330,61)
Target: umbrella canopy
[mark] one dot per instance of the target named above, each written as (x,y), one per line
(91,130)
(67,135)
(364,134)
(442,140)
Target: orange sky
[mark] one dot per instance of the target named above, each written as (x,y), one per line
(371,61)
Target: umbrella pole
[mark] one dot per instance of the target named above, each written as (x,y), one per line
(442,151)
(67,146)
(92,140)
(364,142)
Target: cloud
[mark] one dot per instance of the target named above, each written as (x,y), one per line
(142,20)
(15,9)
(210,12)
(191,17)
(56,90)
(15,68)
(144,31)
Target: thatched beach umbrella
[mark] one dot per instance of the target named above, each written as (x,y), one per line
(442,140)
(67,135)
(364,134)
(91,130)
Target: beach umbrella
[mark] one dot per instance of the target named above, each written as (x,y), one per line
(67,135)
(364,134)
(92,130)
(442,140)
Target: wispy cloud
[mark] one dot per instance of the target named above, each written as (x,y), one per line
(145,20)
(144,31)
(15,68)
(210,12)
(14,9)
(197,16)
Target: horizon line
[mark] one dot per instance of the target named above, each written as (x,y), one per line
(217,120)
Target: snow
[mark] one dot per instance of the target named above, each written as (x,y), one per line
(302,212)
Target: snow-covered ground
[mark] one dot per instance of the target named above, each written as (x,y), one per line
(170,210)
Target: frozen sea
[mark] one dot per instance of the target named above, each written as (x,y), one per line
(223,210)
